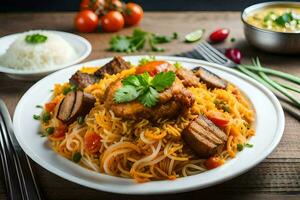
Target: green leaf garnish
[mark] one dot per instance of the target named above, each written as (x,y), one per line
(149,98)
(143,88)
(249,145)
(35,38)
(36,117)
(283,19)
(240,147)
(49,130)
(138,40)
(126,93)
(76,157)
(163,80)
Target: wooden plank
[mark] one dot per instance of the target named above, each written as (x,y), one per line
(276,177)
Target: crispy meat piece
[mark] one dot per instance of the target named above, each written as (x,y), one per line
(73,105)
(82,80)
(187,77)
(115,66)
(204,137)
(210,79)
(171,102)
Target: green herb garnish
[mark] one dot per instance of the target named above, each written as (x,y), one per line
(35,38)
(249,145)
(80,120)
(232,40)
(138,40)
(144,88)
(36,117)
(66,90)
(76,157)
(39,106)
(46,117)
(177,65)
(49,130)
(240,147)
(283,19)
(144,61)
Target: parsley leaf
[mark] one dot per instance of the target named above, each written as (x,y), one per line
(35,38)
(283,19)
(126,93)
(138,40)
(143,88)
(149,98)
(163,80)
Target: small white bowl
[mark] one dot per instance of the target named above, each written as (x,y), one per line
(82,48)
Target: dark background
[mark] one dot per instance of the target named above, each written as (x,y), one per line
(151,5)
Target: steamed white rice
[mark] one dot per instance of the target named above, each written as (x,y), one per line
(49,54)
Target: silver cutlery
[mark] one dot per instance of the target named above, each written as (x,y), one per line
(19,178)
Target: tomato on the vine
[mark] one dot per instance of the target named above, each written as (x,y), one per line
(133,14)
(113,5)
(113,21)
(86,21)
(93,5)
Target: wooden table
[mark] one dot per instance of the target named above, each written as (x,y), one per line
(277,177)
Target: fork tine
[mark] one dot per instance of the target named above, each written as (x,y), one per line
(212,54)
(215,51)
(204,55)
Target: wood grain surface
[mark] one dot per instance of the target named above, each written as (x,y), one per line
(277,177)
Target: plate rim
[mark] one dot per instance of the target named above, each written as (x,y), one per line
(277,135)
(34,72)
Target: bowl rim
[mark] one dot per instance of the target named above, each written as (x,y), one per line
(264,5)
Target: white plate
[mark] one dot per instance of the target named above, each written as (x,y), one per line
(81,45)
(269,129)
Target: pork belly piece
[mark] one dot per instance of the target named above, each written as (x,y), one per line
(82,80)
(73,105)
(171,103)
(204,137)
(187,77)
(210,79)
(115,66)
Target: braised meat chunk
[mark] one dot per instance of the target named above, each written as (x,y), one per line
(82,80)
(205,138)
(210,79)
(171,102)
(187,77)
(73,105)
(115,66)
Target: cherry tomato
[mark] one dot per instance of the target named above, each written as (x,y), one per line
(234,54)
(49,107)
(93,5)
(113,5)
(86,21)
(133,14)
(218,118)
(154,67)
(113,21)
(219,35)
(59,132)
(92,142)
(213,162)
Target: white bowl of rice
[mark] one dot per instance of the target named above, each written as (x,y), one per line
(34,54)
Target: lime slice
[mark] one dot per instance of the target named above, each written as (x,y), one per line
(194,36)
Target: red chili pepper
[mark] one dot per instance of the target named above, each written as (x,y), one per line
(219,35)
(234,54)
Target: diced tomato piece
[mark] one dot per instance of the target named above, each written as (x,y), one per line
(59,132)
(218,118)
(92,142)
(49,107)
(154,67)
(213,162)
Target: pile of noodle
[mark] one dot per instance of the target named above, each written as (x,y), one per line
(146,150)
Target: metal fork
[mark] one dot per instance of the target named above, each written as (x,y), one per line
(20,180)
(209,53)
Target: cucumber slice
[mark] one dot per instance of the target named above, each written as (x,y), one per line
(194,36)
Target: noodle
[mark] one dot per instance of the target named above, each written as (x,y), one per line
(147,150)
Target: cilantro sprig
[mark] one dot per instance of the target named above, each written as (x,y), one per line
(35,38)
(139,40)
(144,88)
